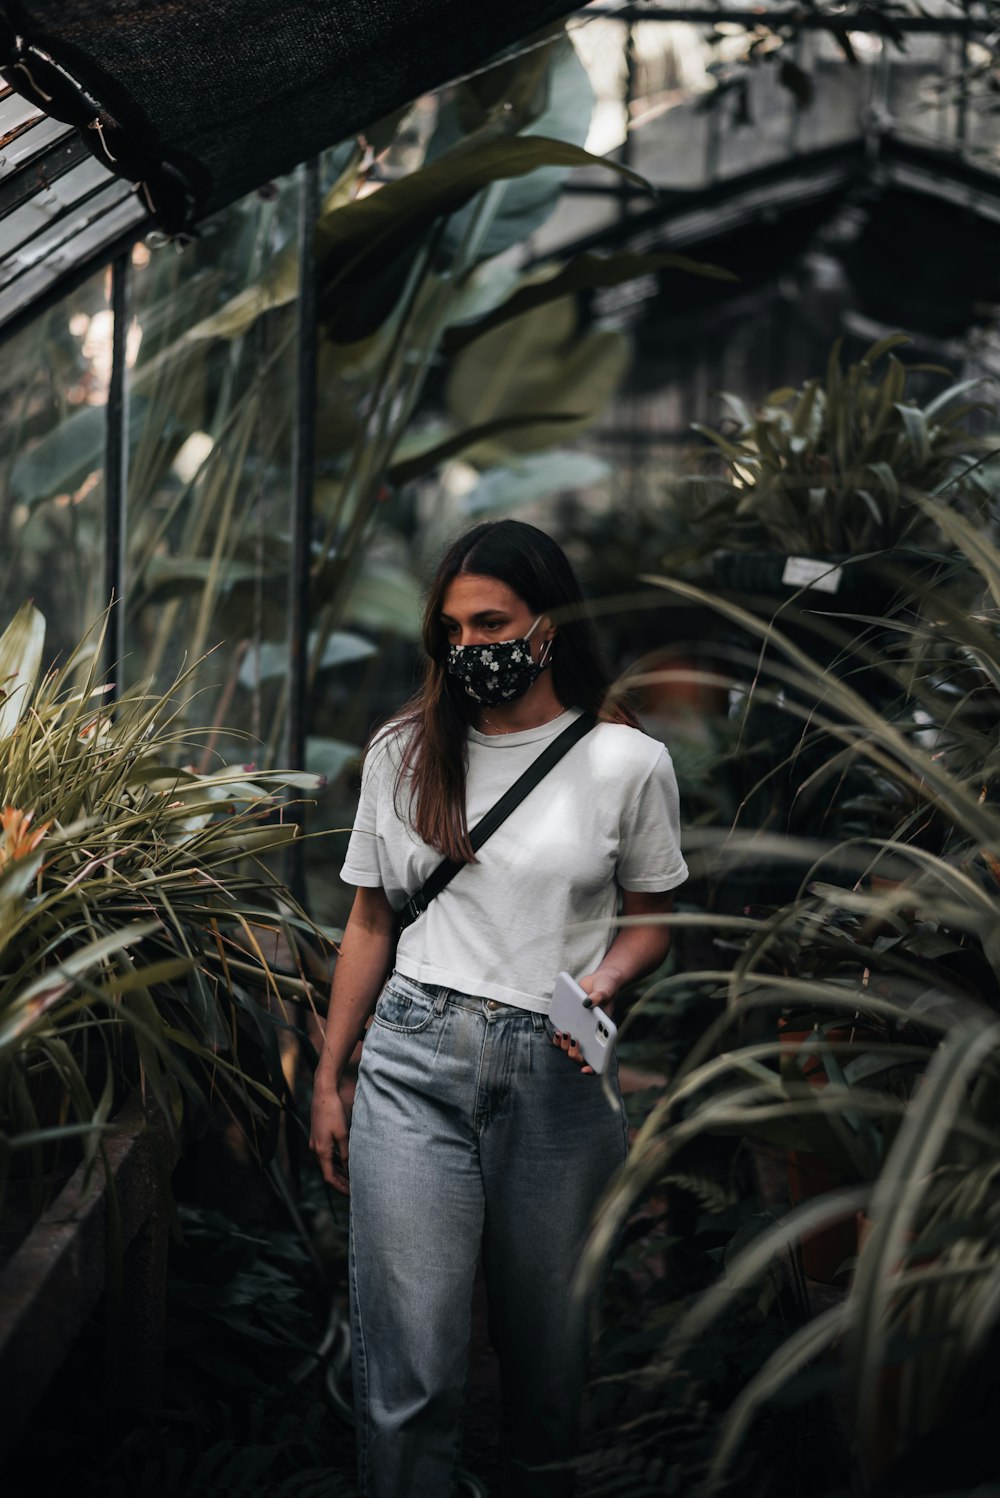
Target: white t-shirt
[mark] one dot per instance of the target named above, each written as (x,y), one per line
(543,895)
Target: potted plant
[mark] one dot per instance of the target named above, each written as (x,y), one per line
(835,470)
(135,908)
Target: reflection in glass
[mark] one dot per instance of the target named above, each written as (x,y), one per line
(211,416)
(53,394)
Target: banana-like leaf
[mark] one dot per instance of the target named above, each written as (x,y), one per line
(536,476)
(170,577)
(330,757)
(582,273)
(21,647)
(358,241)
(526,202)
(439,452)
(268,660)
(536,362)
(385,597)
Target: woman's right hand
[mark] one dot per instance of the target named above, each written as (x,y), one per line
(328,1138)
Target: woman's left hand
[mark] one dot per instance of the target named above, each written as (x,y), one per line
(601,988)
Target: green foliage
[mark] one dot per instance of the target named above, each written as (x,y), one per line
(581,273)
(540,361)
(888,962)
(839,467)
(561,110)
(135,910)
(369,235)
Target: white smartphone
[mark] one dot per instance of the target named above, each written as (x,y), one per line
(593,1032)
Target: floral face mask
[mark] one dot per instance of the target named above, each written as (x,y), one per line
(499,672)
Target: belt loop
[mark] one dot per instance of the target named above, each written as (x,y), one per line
(537,1021)
(440,1001)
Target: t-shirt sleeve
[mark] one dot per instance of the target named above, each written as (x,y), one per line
(650,857)
(363,864)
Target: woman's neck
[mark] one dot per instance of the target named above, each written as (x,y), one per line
(538,705)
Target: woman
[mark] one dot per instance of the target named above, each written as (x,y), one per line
(476,1128)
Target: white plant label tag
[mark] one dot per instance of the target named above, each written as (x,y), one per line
(807,572)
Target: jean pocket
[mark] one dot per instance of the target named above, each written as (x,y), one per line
(404,1006)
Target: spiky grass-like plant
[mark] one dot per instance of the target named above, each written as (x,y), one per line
(907,1113)
(839,466)
(135,908)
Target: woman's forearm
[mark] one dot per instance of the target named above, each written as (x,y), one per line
(637,949)
(365,957)
(634,952)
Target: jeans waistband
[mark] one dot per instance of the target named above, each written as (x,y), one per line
(494,1009)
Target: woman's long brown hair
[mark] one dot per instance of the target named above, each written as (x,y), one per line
(433,723)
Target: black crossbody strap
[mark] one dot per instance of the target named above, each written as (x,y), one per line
(540,767)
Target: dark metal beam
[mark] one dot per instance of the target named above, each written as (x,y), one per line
(297,729)
(116,476)
(868,20)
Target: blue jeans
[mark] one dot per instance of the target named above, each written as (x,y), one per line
(472,1133)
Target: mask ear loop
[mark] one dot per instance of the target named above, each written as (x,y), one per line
(545,654)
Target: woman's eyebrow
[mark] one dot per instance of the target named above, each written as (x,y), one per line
(479,618)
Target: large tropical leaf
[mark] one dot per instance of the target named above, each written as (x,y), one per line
(525,480)
(279,285)
(268,660)
(171,577)
(425,460)
(330,757)
(582,273)
(536,362)
(385,597)
(526,202)
(59,461)
(363,239)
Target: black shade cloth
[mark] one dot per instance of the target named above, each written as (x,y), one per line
(200,101)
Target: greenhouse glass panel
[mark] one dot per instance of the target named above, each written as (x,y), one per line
(54,380)
(211,421)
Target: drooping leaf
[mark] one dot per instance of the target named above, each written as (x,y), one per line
(526,202)
(536,362)
(527,479)
(329,757)
(884,346)
(279,285)
(440,451)
(21,647)
(582,273)
(268,660)
(59,461)
(358,241)
(385,597)
(169,577)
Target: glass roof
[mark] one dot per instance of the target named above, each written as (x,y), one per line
(60,209)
